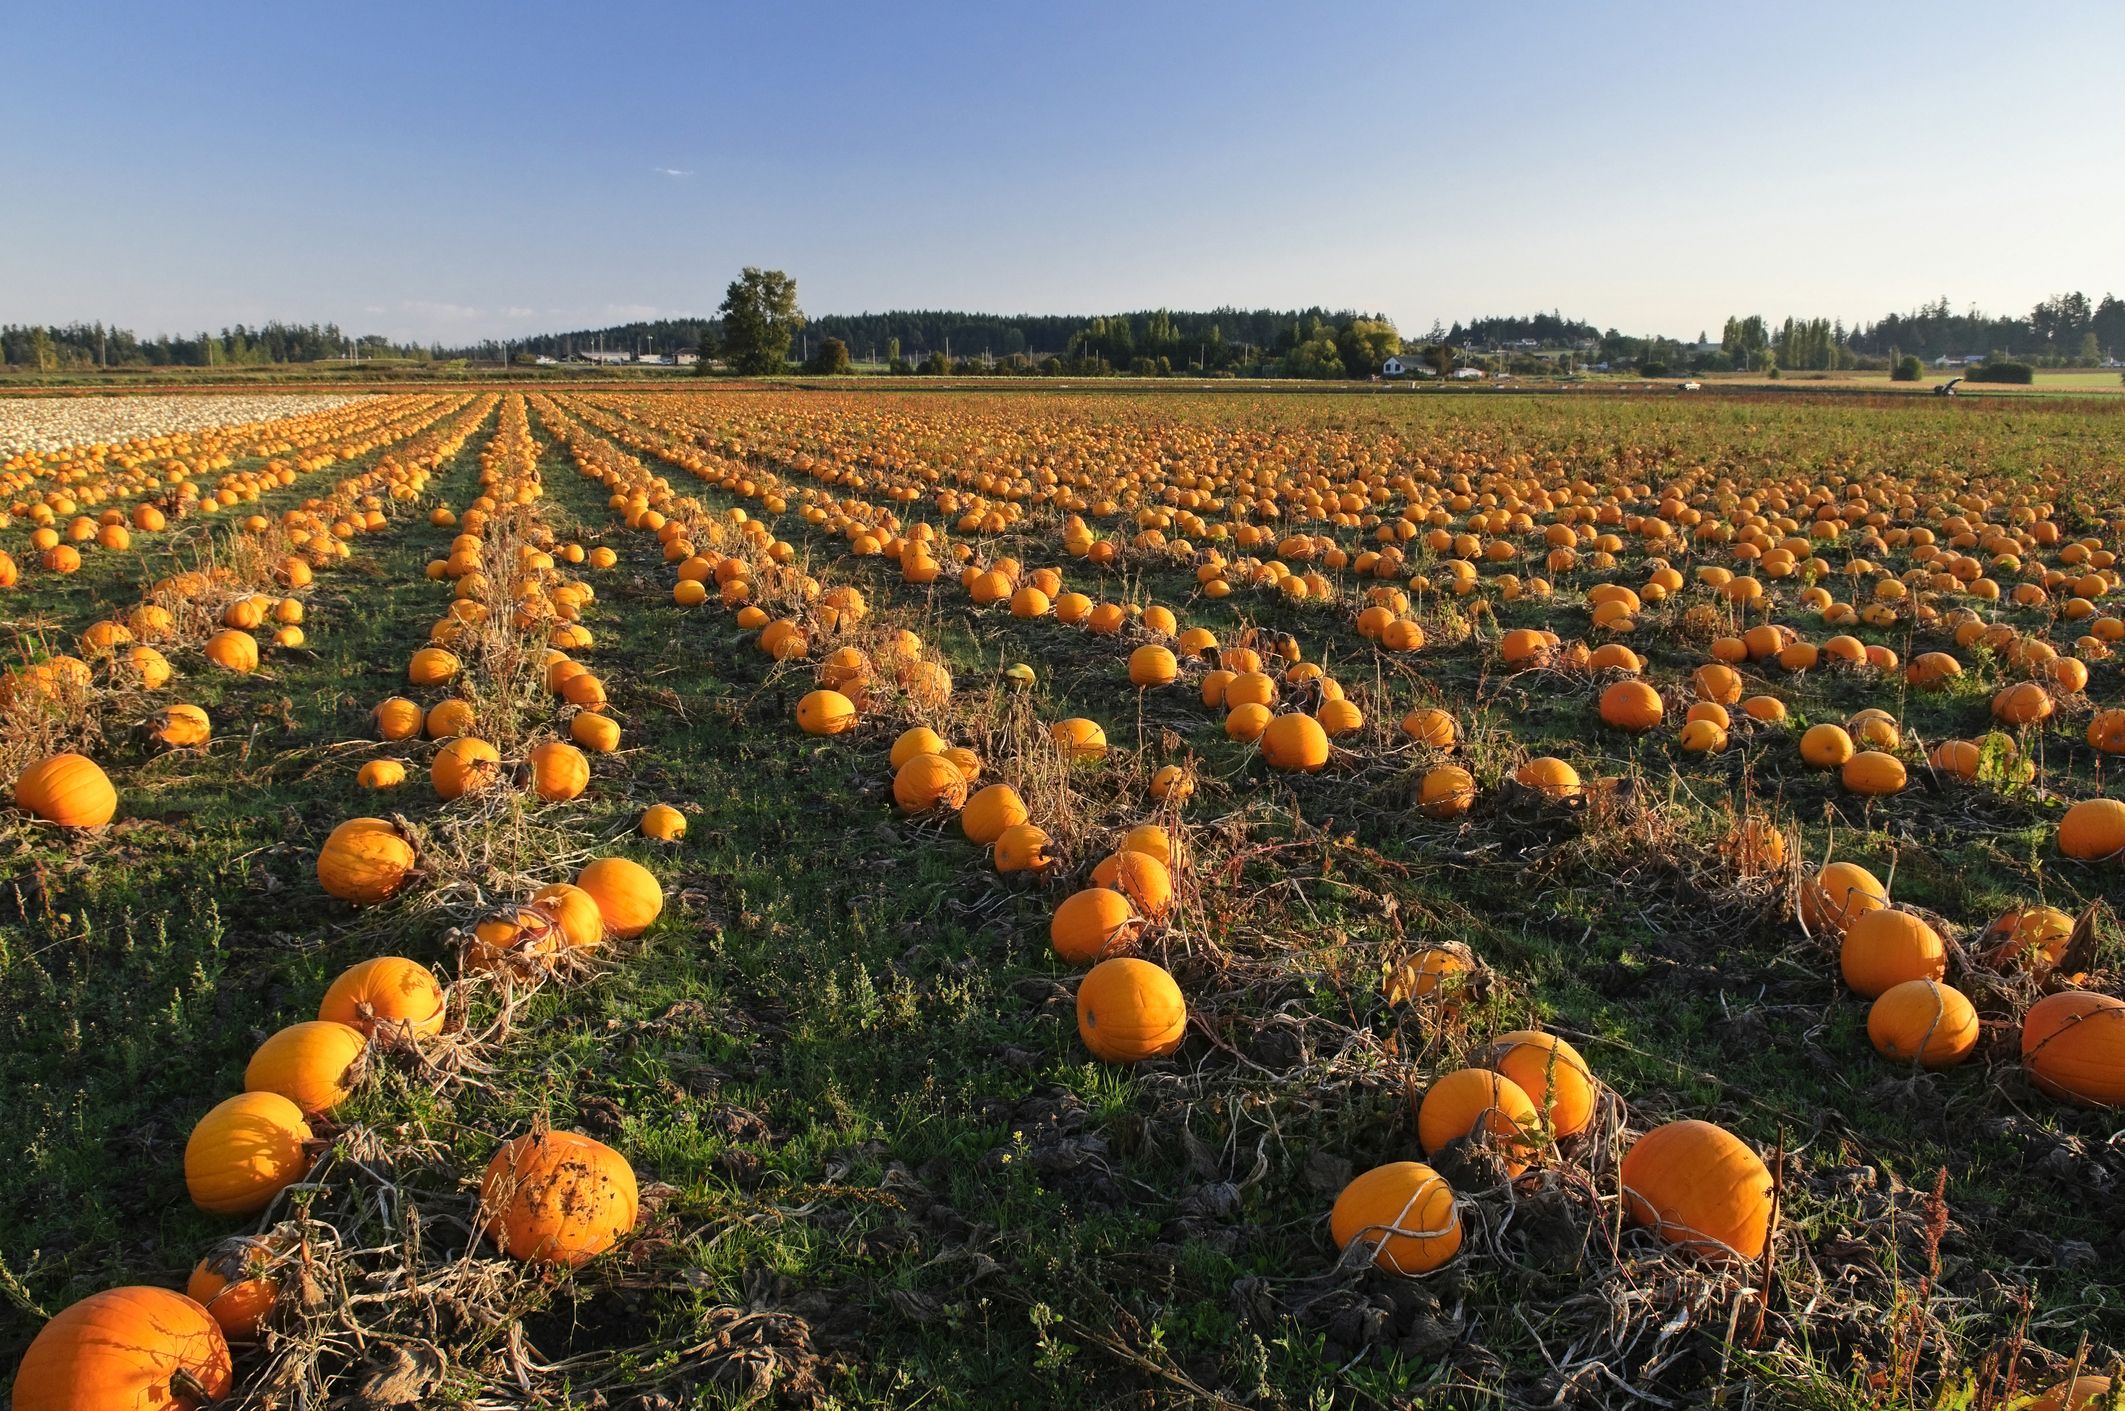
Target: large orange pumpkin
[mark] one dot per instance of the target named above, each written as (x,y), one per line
(1091,921)
(388,992)
(235,1283)
(1130,1009)
(466,765)
(68,789)
(1551,1072)
(1468,1099)
(244,1152)
(2073,1045)
(314,1064)
(1885,948)
(1701,1187)
(1839,895)
(557,1198)
(1404,1211)
(2093,829)
(364,861)
(989,812)
(1923,1022)
(628,894)
(137,1348)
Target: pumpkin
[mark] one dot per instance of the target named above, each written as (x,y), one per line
(381,774)
(1155,840)
(576,911)
(1403,1212)
(2093,830)
(1079,738)
(1550,777)
(391,993)
(1152,666)
(1295,743)
(515,939)
(1429,726)
(1631,705)
(991,811)
(1552,1074)
(1129,1010)
(1700,1187)
(1446,792)
(364,861)
(232,650)
(1023,848)
(557,1198)
(928,781)
(2073,1046)
(921,740)
(1469,1100)
(234,1283)
(558,771)
(1840,894)
(1172,784)
(447,719)
(1874,773)
(180,727)
(1248,723)
(1827,746)
(1923,1022)
(825,712)
(1090,922)
(600,734)
(466,765)
(431,666)
(1432,975)
(137,1348)
(2081,1394)
(68,789)
(663,822)
(2033,937)
(1886,947)
(1142,878)
(314,1065)
(244,1152)
(628,894)
(397,719)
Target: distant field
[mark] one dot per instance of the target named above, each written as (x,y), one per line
(1352,856)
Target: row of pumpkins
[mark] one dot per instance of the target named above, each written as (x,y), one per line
(1401,1203)
(546,1196)
(62,531)
(73,791)
(2072,1040)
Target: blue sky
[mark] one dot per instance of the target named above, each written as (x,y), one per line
(457,171)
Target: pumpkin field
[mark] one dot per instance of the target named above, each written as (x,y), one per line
(637,897)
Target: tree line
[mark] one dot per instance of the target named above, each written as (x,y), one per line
(2066,330)
(57,347)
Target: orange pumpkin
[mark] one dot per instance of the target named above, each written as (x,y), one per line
(1887,947)
(235,1283)
(557,1198)
(1129,1010)
(2073,1046)
(389,993)
(143,1349)
(989,812)
(1923,1022)
(1090,922)
(1404,1212)
(628,894)
(559,772)
(364,861)
(1552,1074)
(245,1152)
(314,1064)
(68,789)
(1462,1103)
(1700,1187)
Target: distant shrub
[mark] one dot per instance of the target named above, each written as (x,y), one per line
(2020,373)
(1654,369)
(1908,369)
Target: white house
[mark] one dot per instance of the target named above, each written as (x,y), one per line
(1395,367)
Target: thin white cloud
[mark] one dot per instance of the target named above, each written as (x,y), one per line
(670,171)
